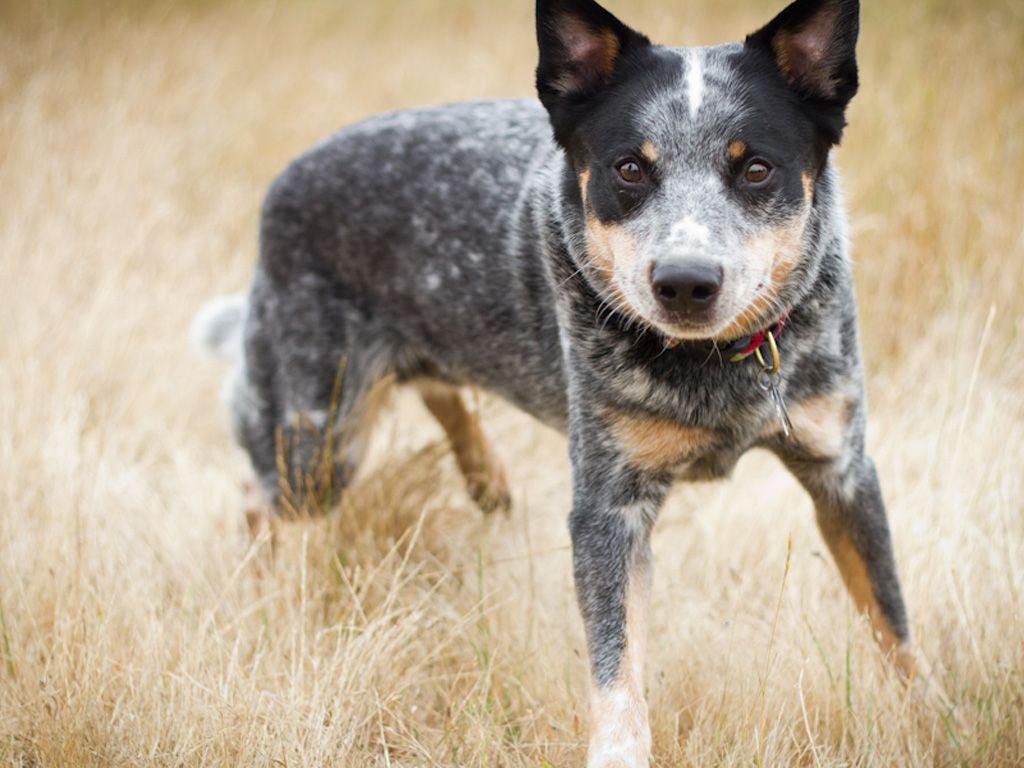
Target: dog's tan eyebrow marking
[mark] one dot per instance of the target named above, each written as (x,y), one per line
(649,151)
(654,443)
(736,149)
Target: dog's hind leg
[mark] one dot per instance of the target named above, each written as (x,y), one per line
(304,393)
(484,473)
(320,460)
(322,443)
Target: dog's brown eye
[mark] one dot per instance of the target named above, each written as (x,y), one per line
(630,171)
(757,173)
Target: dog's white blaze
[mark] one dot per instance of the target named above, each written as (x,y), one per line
(695,81)
(690,230)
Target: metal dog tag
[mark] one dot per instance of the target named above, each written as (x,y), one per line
(770,383)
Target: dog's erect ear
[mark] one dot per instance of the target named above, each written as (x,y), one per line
(581,47)
(813,43)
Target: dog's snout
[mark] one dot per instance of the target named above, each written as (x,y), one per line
(688,287)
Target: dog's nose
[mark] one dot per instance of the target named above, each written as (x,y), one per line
(686,286)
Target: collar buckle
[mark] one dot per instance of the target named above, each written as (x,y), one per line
(755,342)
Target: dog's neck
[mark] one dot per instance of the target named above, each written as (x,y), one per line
(739,349)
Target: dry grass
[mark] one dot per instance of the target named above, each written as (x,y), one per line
(137,626)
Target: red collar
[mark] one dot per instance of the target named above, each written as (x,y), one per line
(743,348)
(754,342)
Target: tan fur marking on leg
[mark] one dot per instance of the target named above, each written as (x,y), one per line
(820,424)
(653,443)
(620,734)
(482,469)
(649,152)
(855,575)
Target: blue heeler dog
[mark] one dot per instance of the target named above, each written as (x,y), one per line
(652,259)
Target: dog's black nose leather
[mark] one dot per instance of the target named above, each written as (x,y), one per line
(688,287)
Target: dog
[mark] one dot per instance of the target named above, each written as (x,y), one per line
(652,258)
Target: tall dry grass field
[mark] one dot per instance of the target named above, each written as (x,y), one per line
(139,626)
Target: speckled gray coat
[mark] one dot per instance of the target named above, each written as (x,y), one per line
(512,245)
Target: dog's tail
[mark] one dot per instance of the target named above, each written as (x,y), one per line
(217,327)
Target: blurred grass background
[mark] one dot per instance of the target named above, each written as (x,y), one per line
(138,627)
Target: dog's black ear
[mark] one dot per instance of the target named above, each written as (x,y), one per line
(582,46)
(813,44)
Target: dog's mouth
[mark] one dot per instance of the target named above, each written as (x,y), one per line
(717,331)
(727,320)
(743,305)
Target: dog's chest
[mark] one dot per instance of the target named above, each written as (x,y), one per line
(696,426)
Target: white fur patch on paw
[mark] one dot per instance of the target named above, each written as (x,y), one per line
(620,736)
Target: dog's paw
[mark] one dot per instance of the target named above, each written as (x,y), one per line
(620,735)
(491,490)
(636,754)
(260,520)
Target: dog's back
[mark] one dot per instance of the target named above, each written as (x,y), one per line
(399,247)
(408,225)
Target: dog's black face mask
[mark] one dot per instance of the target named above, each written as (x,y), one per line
(695,170)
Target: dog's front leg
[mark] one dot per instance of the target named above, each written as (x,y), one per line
(827,455)
(614,508)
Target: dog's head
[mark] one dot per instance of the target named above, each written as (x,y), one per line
(695,170)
